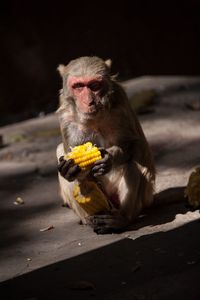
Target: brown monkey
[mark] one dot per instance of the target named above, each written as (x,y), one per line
(94,107)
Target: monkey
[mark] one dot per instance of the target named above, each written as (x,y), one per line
(93,106)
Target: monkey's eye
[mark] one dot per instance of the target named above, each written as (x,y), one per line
(78,85)
(95,86)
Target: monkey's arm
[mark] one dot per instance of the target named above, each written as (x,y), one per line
(117,155)
(126,151)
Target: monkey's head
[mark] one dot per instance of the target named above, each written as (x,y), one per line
(87,83)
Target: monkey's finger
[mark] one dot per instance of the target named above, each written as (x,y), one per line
(103,151)
(105,158)
(101,168)
(64,166)
(72,173)
(105,155)
(109,221)
(98,167)
(101,223)
(60,165)
(99,173)
(74,170)
(102,230)
(99,219)
(107,216)
(61,158)
(107,230)
(102,219)
(105,163)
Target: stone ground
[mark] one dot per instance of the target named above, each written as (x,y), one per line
(158,257)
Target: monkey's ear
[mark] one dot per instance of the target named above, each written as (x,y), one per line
(61,69)
(108,63)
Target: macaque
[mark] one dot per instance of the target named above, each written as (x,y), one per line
(94,107)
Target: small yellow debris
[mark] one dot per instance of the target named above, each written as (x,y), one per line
(19,201)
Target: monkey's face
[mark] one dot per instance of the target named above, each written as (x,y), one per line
(88,93)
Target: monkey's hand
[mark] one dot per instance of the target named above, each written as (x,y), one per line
(102,166)
(68,169)
(107,223)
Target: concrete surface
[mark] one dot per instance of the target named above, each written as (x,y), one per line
(156,258)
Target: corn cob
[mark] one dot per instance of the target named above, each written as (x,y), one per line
(192,191)
(90,197)
(84,155)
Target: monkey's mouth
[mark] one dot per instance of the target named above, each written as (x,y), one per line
(92,110)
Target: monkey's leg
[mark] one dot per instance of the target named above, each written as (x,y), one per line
(131,193)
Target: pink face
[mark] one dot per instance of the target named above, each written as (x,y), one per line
(87,92)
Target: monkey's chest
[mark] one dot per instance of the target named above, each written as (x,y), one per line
(82,135)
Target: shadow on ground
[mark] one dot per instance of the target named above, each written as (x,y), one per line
(178,156)
(16,228)
(163,266)
(16,221)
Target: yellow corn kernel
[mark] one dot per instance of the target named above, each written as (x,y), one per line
(76,190)
(84,155)
(192,191)
(90,197)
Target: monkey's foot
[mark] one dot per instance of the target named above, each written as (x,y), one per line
(103,224)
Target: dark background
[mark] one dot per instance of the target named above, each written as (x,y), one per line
(141,38)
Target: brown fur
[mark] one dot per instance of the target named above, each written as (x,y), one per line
(116,128)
